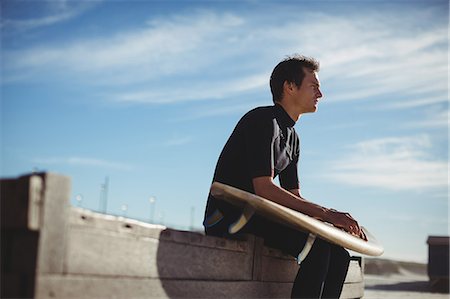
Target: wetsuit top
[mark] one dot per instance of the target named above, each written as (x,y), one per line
(263,143)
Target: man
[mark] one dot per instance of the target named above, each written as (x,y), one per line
(264,145)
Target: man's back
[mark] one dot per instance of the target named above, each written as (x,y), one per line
(263,143)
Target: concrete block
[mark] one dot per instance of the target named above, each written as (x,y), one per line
(278,266)
(53,223)
(94,251)
(278,269)
(82,218)
(242,243)
(18,263)
(53,250)
(257,259)
(17,285)
(354,273)
(74,286)
(173,254)
(19,251)
(20,212)
(352,290)
(23,196)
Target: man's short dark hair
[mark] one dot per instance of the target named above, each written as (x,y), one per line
(291,70)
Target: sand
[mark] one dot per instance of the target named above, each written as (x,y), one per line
(385,279)
(407,286)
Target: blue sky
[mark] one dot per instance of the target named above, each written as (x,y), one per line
(147,92)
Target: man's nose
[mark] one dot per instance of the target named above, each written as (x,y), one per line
(319,94)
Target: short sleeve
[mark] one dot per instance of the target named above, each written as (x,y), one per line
(289,177)
(258,136)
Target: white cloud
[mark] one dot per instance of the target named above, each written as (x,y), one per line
(422,220)
(55,11)
(178,141)
(398,163)
(210,55)
(197,91)
(221,110)
(34,23)
(82,161)
(415,102)
(389,65)
(435,119)
(164,47)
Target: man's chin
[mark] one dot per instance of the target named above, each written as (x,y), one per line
(314,109)
(310,110)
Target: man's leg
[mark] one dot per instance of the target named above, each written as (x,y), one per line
(277,236)
(313,271)
(337,271)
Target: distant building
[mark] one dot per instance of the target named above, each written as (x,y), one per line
(438,262)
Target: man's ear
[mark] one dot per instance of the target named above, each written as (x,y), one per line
(288,87)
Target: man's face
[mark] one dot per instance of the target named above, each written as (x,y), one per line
(308,94)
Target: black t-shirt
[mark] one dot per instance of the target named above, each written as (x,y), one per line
(264,143)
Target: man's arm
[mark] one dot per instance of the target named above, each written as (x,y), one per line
(265,187)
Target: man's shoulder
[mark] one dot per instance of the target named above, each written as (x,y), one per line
(259,114)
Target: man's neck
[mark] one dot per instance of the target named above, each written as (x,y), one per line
(295,115)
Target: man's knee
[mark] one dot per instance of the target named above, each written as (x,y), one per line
(324,250)
(320,251)
(321,245)
(340,254)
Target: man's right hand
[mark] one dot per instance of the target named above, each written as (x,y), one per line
(265,187)
(346,222)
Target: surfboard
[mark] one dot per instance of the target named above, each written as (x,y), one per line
(251,203)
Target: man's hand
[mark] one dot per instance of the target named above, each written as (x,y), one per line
(292,199)
(346,222)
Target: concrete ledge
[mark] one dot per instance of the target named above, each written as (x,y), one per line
(72,286)
(67,252)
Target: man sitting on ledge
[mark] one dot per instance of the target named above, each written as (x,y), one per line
(264,145)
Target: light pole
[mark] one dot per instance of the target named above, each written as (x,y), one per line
(124,209)
(79,199)
(161,218)
(152,201)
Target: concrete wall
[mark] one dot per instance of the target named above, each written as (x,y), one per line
(52,250)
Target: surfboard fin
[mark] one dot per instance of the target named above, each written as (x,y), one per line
(247,213)
(306,249)
(213,219)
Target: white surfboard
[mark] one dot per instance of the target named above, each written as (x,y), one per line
(251,203)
